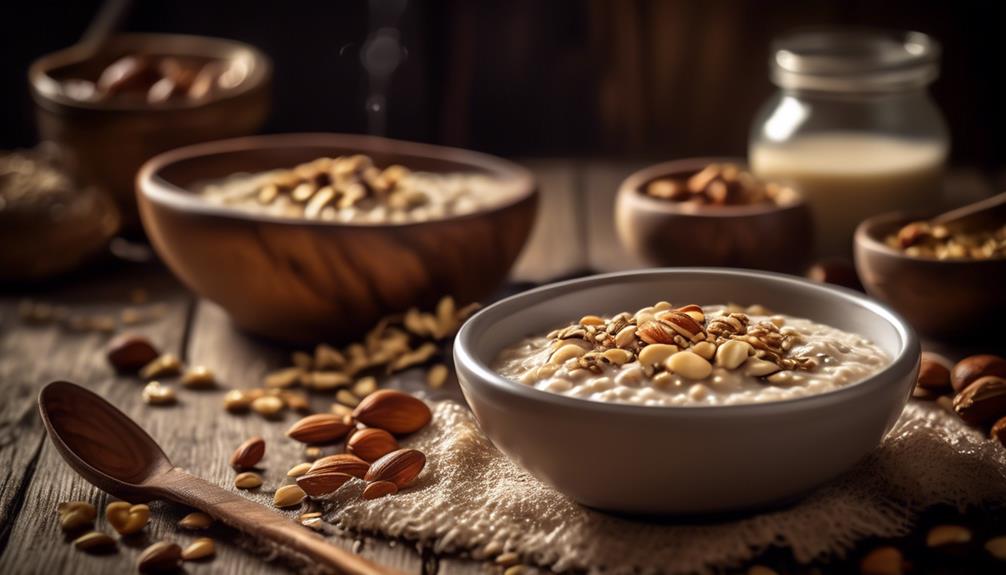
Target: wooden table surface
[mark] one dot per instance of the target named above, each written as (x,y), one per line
(574,235)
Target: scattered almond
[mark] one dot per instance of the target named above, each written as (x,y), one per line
(268,406)
(393,411)
(156,394)
(298,470)
(288,496)
(997,547)
(312,453)
(346,397)
(125,518)
(319,428)
(247,480)
(883,561)
(283,378)
(237,401)
(507,559)
(364,386)
(341,463)
(400,467)
(341,410)
(377,489)
(942,535)
(165,365)
(198,377)
(74,515)
(933,373)
(94,542)
(249,453)
(371,444)
(160,557)
(195,521)
(199,549)
(296,401)
(436,377)
(320,484)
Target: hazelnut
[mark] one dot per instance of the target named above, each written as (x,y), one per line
(983,401)
(971,368)
(933,373)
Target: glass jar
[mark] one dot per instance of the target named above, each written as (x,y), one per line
(852,127)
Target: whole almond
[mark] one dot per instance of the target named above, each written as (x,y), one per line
(195,521)
(247,480)
(947,535)
(160,557)
(322,484)
(299,469)
(74,515)
(393,411)
(288,496)
(94,542)
(371,444)
(319,428)
(400,467)
(199,549)
(341,463)
(128,352)
(248,454)
(983,401)
(971,368)
(933,374)
(883,561)
(377,489)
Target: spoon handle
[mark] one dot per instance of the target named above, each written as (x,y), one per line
(259,521)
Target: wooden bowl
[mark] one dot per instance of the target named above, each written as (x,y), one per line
(947,299)
(105,142)
(308,280)
(665,233)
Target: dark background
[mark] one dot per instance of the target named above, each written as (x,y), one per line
(625,78)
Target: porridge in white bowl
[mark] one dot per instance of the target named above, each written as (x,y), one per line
(692,355)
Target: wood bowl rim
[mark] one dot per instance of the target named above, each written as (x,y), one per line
(631,191)
(866,238)
(150,186)
(43,86)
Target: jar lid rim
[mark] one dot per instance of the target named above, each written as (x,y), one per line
(852,59)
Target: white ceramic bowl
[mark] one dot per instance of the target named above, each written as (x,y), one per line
(684,460)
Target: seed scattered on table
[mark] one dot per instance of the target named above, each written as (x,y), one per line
(249,453)
(288,496)
(126,518)
(437,376)
(298,470)
(156,394)
(195,521)
(161,557)
(166,365)
(199,549)
(94,542)
(247,480)
(198,377)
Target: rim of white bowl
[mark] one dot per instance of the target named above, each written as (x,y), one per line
(485,318)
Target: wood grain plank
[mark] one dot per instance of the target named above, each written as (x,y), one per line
(598,182)
(555,247)
(30,356)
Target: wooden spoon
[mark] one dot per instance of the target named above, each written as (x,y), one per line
(114,453)
(984,214)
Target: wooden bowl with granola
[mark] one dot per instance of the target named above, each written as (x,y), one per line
(945,284)
(711,212)
(304,237)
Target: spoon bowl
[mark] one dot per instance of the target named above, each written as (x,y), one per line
(99,442)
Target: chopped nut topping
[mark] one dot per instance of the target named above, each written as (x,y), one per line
(921,239)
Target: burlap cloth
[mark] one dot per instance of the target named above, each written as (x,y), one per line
(471,498)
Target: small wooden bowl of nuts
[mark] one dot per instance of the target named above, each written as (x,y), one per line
(142,94)
(308,237)
(711,212)
(944,283)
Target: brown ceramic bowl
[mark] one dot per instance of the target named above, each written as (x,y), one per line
(105,142)
(665,233)
(940,298)
(308,280)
